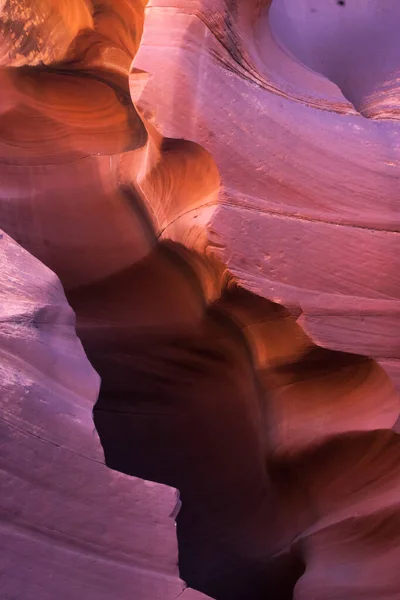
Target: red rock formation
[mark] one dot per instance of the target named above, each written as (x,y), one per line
(308,214)
(223,219)
(249,427)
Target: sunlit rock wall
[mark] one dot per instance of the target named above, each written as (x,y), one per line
(214,183)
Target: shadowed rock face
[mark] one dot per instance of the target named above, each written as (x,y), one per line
(233,405)
(69,526)
(218,198)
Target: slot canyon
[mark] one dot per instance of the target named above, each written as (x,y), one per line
(199,299)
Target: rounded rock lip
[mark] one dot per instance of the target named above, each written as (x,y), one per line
(260,48)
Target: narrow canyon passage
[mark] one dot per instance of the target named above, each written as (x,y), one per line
(217,400)
(199,291)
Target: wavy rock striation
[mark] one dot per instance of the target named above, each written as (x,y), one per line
(68,524)
(306,182)
(222,213)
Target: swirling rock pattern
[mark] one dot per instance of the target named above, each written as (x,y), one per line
(219,201)
(308,202)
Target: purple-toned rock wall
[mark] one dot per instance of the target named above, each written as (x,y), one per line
(199,291)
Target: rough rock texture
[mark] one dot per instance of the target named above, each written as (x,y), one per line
(222,213)
(70,527)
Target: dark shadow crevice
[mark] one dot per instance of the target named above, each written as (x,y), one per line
(189,399)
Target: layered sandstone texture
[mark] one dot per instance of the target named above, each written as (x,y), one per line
(69,526)
(212,186)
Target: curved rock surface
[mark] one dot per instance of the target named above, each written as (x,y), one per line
(222,213)
(253,423)
(308,205)
(69,526)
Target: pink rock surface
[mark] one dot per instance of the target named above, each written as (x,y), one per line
(353,44)
(69,526)
(307,211)
(222,213)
